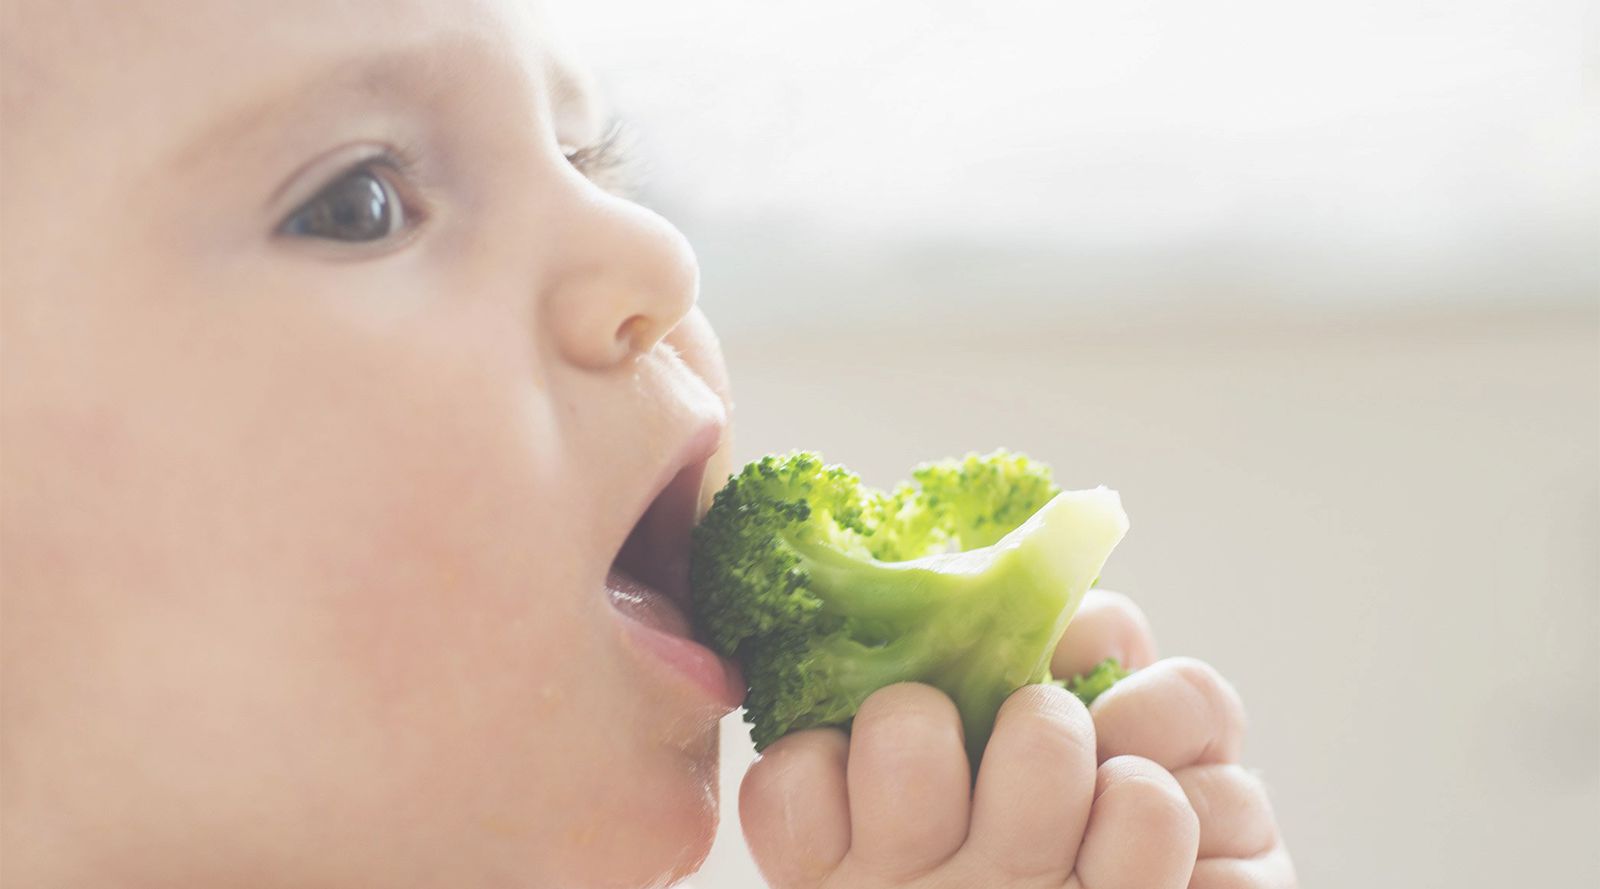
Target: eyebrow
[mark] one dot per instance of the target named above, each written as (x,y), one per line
(565,89)
(424,74)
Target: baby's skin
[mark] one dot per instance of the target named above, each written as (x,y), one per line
(1141,791)
(334,380)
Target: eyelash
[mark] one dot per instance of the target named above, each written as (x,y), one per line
(608,161)
(396,167)
(400,165)
(606,158)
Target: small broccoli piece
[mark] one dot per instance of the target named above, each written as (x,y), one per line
(827,590)
(1096,682)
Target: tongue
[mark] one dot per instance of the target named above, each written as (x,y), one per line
(646,604)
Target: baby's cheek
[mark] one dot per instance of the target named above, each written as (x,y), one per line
(448,600)
(476,654)
(479,660)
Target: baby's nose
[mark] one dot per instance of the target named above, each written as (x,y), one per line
(626,278)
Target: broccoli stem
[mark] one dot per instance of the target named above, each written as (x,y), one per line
(977,624)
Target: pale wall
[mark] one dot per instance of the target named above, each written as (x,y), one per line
(1384,532)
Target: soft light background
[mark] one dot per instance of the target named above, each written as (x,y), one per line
(1316,286)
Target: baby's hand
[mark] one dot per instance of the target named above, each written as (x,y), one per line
(1182,715)
(892,804)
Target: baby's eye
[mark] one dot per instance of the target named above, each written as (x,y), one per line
(360,206)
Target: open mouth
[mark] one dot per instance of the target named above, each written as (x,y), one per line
(648,579)
(655,556)
(648,582)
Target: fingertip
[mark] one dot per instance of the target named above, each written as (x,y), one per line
(1157,793)
(1227,707)
(908,698)
(1273,870)
(1142,831)
(1236,819)
(1045,721)
(1107,625)
(794,759)
(794,808)
(1035,783)
(908,779)
(1177,712)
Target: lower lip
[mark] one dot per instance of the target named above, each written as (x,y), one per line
(657,627)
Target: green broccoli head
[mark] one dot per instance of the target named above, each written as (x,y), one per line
(827,590)
(1096,682)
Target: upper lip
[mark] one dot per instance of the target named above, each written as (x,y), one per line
(656,549)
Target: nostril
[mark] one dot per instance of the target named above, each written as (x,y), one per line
(636,334)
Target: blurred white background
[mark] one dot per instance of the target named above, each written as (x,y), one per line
(1317,287)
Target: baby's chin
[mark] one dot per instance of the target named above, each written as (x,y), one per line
(648,829)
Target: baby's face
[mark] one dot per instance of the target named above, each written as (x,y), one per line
(332,391)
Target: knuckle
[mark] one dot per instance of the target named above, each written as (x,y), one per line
(1231,803)
(1247,784)
(987,865)
(1271,870)
(1134,770)
(1196,783)
(1219,699)
(1223,781)
(1165,818)
(1195,672)
(1248,794)
(1149,799)
(1126,609)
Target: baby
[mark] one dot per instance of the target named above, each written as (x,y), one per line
(334,382)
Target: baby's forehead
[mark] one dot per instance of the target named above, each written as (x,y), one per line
(136,68)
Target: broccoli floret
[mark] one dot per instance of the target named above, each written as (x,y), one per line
(827,590)
(1096,682)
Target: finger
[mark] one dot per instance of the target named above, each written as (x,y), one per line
(1179,712)
(1273,870)
(1142,833)
(1035,784)
(910,788)
(1235,817)
(1107,625)
(794,809)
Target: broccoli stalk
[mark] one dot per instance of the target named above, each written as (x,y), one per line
(828,591)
